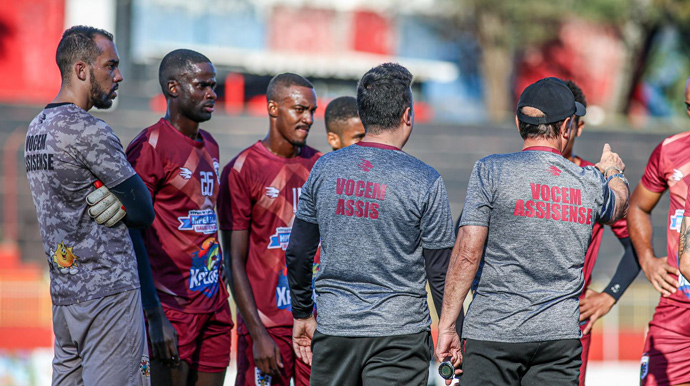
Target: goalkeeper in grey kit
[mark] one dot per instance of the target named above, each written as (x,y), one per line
(97,314)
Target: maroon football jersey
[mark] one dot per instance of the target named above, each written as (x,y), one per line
(260,192)
(182,244)
(619,228)
(667,167)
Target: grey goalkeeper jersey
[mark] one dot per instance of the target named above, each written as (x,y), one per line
(376,208)
(540,209)
(66,151)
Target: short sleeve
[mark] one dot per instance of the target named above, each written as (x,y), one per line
(620,228)
(479,199)
(437,220)
(306,210)
(653,178)
(146,162)
(99,150)
(608,198)
(234,200)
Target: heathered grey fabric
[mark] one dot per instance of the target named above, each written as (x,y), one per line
(532,274)
(66,151)
(371,281)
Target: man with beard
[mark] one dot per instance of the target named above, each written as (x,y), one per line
(179,165)
(258,199)
(97,318)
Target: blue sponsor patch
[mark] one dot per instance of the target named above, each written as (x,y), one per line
(199,221)
(280,239)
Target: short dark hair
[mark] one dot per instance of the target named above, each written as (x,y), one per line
(338,111)
(578,94)
(176,63)
(77,43)
(383,95)
(544,130)
(283,81)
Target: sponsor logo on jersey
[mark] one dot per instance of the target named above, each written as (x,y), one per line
(677,175)
(283,299)
(365,165)
(200,221)
(203,275)
(554,170)
(261,379)
(145,366)
(65,259)
(644,366)
(280,239)
(272,192)
(185,173)
(676,220)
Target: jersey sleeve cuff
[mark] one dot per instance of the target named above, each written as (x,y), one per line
(299,313)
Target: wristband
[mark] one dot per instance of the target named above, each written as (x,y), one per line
(618,175)
(612,167)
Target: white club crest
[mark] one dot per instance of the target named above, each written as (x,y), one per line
(272,192)
(185,173)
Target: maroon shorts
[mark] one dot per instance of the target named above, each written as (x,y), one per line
(586,340)
(203,340)
(250,375)
(666,351)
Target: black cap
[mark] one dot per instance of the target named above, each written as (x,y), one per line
(553,97)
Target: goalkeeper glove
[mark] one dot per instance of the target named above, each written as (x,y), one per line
(105,207)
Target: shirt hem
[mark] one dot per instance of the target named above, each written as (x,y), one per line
(69,302)
(521,339)
(369,333)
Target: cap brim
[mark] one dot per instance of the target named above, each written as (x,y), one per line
(580,109)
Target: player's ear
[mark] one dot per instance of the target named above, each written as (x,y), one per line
(333,140)
(173,88)
(81,70)
(272,108)
(567,128)
(408,116)
(580,126)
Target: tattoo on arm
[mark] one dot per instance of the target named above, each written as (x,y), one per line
(684,236)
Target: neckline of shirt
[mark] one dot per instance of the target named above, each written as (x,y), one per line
(264,150)
(378,145)
(542,148)
(192,142)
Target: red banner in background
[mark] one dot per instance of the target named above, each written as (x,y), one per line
(29,33)
(301,30)
(373,33)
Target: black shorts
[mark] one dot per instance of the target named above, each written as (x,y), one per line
(375,361)
(548,363)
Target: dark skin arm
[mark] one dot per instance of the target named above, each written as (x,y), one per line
(266,352)
(656,269)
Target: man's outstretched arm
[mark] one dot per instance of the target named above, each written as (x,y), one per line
(464,263)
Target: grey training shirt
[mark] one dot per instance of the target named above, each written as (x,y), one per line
(540,209)
(376,208)
(66,151)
